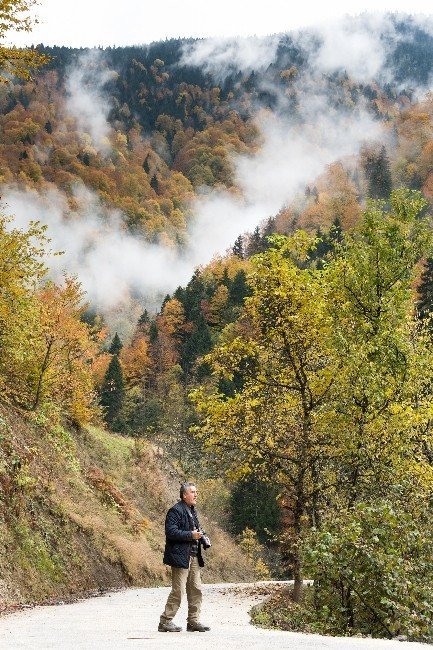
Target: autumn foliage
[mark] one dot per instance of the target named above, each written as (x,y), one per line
(45,348)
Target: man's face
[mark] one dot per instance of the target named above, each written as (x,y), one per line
(190,496)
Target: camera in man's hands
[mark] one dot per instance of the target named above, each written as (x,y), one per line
(204,540)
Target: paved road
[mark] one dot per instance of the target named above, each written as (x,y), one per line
(128,619)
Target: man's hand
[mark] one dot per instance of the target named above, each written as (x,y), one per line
(196,534)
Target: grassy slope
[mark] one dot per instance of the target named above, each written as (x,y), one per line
(85,511)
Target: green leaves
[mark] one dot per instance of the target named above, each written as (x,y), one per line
(372,568)
(13,60)
(333,402)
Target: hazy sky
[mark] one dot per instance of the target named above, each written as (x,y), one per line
(126,22)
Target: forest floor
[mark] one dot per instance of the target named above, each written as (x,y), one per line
(129,619)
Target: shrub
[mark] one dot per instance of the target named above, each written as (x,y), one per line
(372,569)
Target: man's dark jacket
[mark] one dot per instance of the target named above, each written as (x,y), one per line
(178,537)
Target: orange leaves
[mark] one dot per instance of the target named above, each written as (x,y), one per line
(64,351)
(172,319)
(136,361)
(46,347)
(171,328)
(336,197)
(99,367)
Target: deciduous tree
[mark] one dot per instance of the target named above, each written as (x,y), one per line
(276,425)
(14,61)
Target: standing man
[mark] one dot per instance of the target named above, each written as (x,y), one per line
(183,542)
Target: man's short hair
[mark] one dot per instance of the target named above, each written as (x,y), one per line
(184,487)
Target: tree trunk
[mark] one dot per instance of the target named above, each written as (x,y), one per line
(41,375)
(297,578)
(315,510)
(297,525)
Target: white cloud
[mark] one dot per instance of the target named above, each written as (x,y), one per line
(112,263)
(221,56)
(109,262)
(358,45)
(86,100)
(291,156)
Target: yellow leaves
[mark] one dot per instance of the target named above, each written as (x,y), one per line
(171,327)
(121,140)
(63,351)
(17,61)
(227,359)
(424,473)
(136,361)
(337,197)
(205,156)
(45,346)
(99,367)
(173,318)
(217,304)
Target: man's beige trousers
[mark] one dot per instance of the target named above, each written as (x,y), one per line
(184,580)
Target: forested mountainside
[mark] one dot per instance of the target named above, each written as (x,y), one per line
(172,129)
(290,375)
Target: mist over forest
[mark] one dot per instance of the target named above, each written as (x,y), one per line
(145,162)
(216,262)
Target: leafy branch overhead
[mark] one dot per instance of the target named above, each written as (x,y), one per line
(15,61)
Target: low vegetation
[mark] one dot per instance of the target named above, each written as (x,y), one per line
(83,511)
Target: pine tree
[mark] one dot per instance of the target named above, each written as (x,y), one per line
(254,505)
(226,279)
(112,391)
(321,249)
(192,296)
(238,247)
(336,231)
(326,242)
(144,318)
(153,332)
(197,344)
(378,173)
(166,299)
(239,289)
(269,229)
(116,345)
(154,183)
(254,243)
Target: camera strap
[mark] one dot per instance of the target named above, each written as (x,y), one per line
(192,515)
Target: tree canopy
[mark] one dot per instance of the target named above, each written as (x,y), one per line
(14,61)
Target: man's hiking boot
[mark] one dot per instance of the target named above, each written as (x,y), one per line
(169,627)
(197,627)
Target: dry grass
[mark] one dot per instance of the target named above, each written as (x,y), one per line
(85,511)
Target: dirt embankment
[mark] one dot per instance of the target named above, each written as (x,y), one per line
(84,512)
